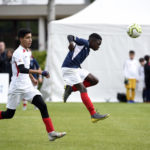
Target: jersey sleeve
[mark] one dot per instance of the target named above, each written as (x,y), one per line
(80,41)
(18,58)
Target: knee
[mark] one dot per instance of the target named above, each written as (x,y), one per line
(83,89)
(11,115)
(95,81)
(43,107)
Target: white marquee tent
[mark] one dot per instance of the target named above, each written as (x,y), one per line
(110,19)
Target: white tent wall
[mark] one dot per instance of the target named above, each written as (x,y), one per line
(106,64)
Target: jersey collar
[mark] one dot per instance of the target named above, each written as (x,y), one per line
(24,49)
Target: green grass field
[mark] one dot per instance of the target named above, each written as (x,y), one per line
(128,128)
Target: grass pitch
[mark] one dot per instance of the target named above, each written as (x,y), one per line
(128,128)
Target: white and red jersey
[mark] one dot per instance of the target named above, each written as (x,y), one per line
(20,81)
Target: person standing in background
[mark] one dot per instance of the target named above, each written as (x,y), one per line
(7,63)
(141,84)
(147,77)
(131,76)
(2,56)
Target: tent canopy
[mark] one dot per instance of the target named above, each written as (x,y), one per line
(112,12)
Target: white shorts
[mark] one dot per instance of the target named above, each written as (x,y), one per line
(74,76)
(15,97)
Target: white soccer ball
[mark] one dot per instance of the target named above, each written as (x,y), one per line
(134,30)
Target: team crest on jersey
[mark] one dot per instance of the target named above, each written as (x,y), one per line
(24,50)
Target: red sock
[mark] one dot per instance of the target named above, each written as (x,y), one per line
(87,102)
(0,115)
(24,105)
(48,124)
(86,84)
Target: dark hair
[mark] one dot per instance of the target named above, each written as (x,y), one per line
(146,57)
(22,32)
(141,59)
(131,52)
(95,36)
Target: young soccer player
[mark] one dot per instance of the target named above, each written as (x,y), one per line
(76,78)
(21,86)
(131,76)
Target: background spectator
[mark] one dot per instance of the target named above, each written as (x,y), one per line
(141,84)
(147,77)
(2,56)
(7,65)
(131,76)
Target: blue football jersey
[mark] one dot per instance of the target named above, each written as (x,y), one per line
(75,57)
(35,66)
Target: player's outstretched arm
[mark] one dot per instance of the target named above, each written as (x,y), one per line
(34,81)
(22,69)
(43,73)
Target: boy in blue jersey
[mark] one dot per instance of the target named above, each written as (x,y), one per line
(76,78)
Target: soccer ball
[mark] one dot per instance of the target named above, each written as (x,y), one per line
(134,30)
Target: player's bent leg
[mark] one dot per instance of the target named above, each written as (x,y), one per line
(40,104)
(85,98)
(8,114)
(89,105)
(90,80)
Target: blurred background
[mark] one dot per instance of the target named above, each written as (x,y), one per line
(15,14)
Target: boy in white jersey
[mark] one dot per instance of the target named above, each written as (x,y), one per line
(131,76)
(21,86)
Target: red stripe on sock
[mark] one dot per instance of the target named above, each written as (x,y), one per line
(0,115)
(86,84)
(48,124)
(87,102)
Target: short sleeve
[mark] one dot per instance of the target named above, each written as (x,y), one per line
(18,58)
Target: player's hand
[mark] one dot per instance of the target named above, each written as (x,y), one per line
(35,82)
(71,46)
(45,74)
(126,81)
